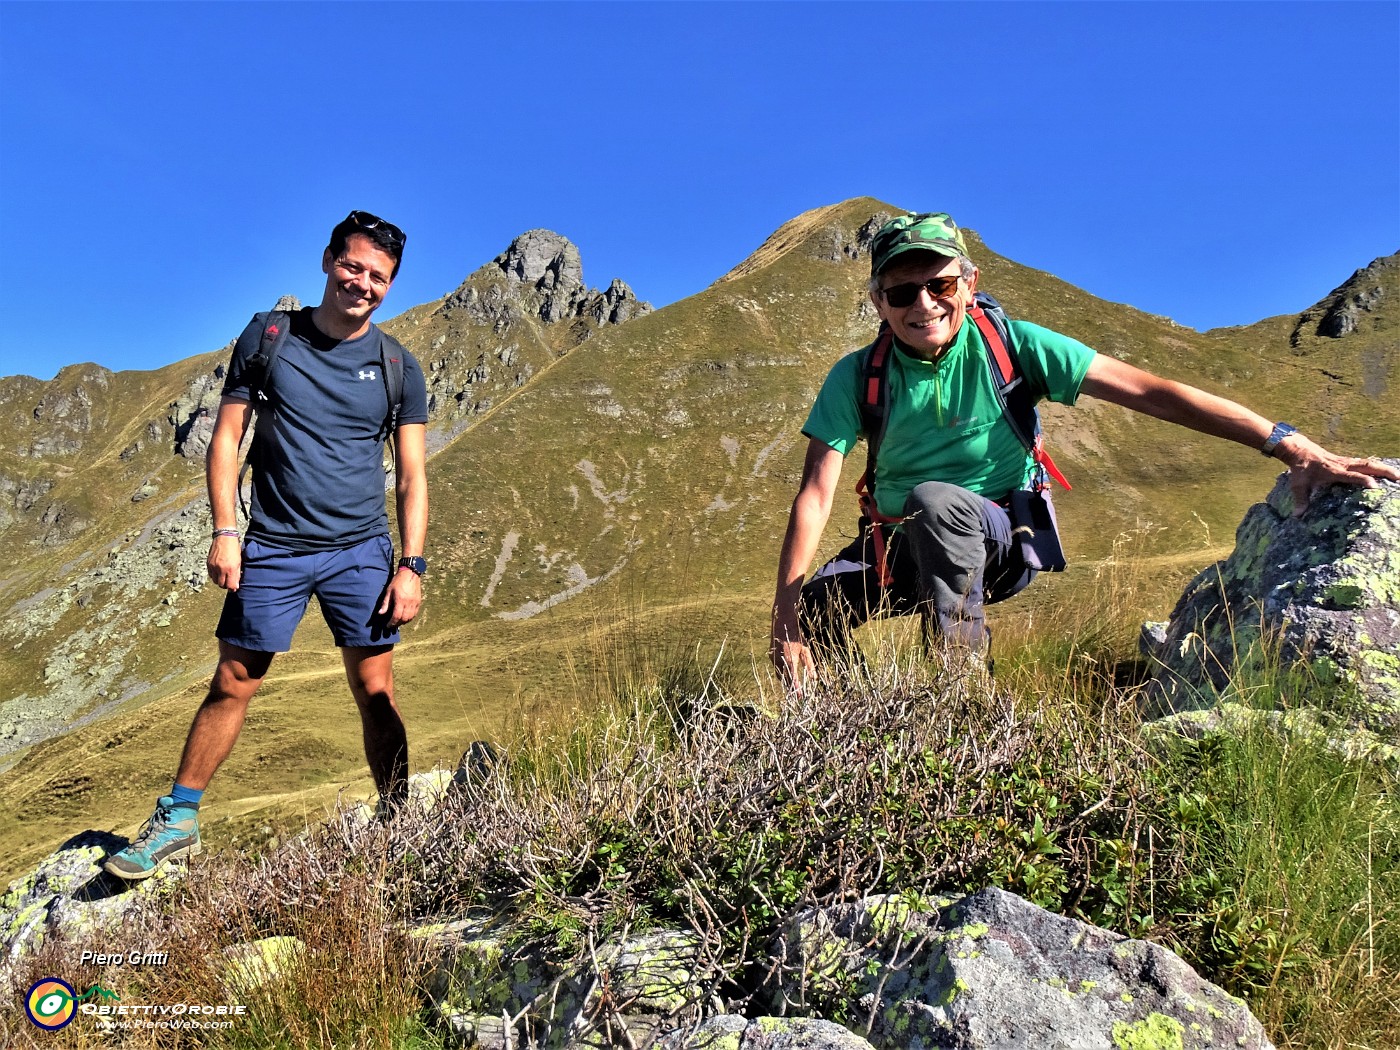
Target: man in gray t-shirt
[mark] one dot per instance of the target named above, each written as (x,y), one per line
(318,524)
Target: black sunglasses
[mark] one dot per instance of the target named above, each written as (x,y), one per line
(901,295)
(365,221)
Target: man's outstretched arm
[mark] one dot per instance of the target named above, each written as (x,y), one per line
(1311,467)
(810,510)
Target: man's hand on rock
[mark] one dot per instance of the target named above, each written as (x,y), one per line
(1311,468)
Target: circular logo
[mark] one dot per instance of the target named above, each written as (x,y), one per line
(50,1003)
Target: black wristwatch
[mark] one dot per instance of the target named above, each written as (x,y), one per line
(1280,431)
(417,564)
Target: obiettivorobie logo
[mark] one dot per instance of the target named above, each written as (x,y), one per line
(52,1003)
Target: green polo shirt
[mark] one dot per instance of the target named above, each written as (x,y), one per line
(945,423)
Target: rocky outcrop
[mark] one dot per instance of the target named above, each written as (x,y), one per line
(141,584)
(636,988)
(988,971)
(65,412)
(1346,307)
(1319,595)
(994,971)
(734,1032)
(616,305)
(484,354)
(69,895)
(544,280)
(18,497)
(193,413)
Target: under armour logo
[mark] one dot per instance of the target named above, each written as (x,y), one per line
(366,373)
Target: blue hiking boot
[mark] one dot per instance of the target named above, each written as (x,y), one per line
(172,833)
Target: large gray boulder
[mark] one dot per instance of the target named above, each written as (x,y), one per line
(1318,594)
(991,971)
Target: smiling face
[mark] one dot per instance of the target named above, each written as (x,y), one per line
(356,283)
(927,326)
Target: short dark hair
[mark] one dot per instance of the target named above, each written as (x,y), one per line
(386,236)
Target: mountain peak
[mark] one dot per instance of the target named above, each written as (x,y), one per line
(544,275)
(543,259)
(1353,305)
(833,232)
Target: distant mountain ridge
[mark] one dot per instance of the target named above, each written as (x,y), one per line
(589,456)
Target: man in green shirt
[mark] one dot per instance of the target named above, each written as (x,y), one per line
(949,459)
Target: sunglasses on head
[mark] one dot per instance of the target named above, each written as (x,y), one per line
(365,221)
(902,295)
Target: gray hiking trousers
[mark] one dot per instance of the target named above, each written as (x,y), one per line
(951,557)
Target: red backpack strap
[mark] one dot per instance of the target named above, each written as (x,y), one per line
(1017,401)
(874,414)
(1004,371)
(874,402)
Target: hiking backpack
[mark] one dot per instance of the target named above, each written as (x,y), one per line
(1014,394)
(276,327)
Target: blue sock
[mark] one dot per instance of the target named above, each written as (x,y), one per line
(184,796)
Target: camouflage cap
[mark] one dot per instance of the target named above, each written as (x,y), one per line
(930,231)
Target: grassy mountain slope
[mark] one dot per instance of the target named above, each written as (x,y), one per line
(595,487)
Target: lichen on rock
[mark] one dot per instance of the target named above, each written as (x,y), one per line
(992,970)
(1316,596)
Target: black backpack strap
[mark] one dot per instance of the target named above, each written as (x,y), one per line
(276,327)
(391,355)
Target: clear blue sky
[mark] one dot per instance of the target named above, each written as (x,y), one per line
(167,169)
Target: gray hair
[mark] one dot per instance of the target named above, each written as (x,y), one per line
(966,268)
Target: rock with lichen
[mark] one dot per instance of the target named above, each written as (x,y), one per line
(992,971)
(733,1032)
(631,990)
(1165,735)
(1317,597)
(70,896)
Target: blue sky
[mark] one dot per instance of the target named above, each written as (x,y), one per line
(168,169)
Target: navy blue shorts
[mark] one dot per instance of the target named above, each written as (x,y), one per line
(277,583)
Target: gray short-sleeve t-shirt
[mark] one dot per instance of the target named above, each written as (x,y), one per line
(318,475)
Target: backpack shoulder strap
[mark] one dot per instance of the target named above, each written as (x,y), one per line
(391,354)
(874,402)
(1014,392)
(874,399)
(277,325)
